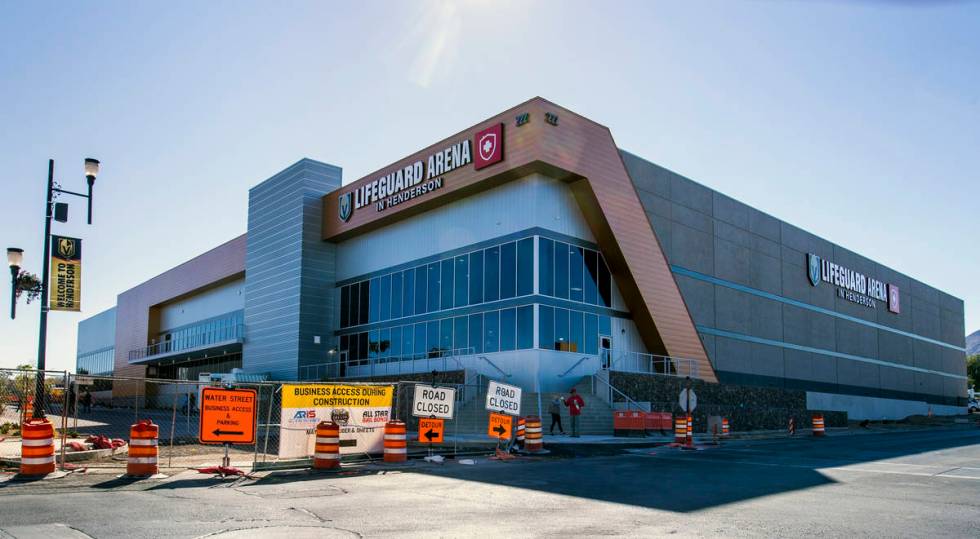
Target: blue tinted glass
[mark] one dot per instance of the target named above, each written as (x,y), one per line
(445,336)
(561,328)
(461,290)
(434,290)
(460,335)
(353,348)
(420,340)
(344,306)
(362,346)
(432,338)
(476,332)
(575,263)
(408,340)
(375,308)
(605,284)
(561,270)
(373,344)
(546,267)
(591,277)
(364,301)
(491,274)
(508,270)
(508,329)
(491,327)
(396,295)
(408,292)
(396,342)
(385,297)
(575,332)
(355,303)
(605,326)
(525,267)
(591,336)
(447,283)
(384,342)
(421,290)
(476,277)
(546,327)
(525,327)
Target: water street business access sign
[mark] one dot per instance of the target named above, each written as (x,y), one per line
(433,401)
(503,398)
(227,416)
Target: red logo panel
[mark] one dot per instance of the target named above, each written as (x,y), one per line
(489,145)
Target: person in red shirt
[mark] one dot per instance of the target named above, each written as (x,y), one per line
(575,404)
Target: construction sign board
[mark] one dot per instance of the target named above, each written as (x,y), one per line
(499,426)
(433,401)
(227,416)
(503,398)
(431,430)
(361,410)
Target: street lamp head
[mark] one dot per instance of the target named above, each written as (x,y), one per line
(15,257)
(91,169)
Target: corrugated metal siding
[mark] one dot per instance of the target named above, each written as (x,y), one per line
(290,272)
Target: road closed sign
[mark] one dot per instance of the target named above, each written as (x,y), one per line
(503,398)
(227,416)
(433,401)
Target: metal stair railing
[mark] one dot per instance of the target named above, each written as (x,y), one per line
(570,369)
(611,392)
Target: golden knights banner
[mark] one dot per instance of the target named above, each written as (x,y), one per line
(66,274)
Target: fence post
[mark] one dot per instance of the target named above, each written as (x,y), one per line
(173,428)
(64,418)
(268,420)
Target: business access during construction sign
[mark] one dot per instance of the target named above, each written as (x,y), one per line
(360,410)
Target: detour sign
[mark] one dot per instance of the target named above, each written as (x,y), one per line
(227,416)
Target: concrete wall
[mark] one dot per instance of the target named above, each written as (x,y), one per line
(743,275)
(97,332)
(289,282)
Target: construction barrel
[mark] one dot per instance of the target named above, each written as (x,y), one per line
(521,426)
(37,447)
(143,449)
(396,441)
(690,430)
(818,426)
(724,427)
(326,452)
(532,432)
(680,429)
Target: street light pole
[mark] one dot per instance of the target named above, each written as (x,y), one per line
(15,257)
(42,340)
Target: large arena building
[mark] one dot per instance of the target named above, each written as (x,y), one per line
(530,247)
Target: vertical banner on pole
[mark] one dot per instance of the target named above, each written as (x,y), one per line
(65,284)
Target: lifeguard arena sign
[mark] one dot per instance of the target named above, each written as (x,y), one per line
(424,175)
(851,285)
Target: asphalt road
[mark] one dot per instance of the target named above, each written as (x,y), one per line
(920,484)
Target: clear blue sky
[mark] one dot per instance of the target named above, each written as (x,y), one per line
(840,117)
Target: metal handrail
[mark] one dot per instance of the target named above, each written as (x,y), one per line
(494,365)
(612,389)
(570,369)
(188,342)
(630,361)
(392,365)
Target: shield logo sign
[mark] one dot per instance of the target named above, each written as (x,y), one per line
(346,209)
(813,265)
(489,146)
(66,247)
(894,304)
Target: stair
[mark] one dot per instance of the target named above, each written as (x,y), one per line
(596,418)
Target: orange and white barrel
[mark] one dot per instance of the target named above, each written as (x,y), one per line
(532,434)
(818,426)
(396,441)
(724,426)
(521,426)
(326,452)
(690,430)
(680,429)
(37,447)
(143,449)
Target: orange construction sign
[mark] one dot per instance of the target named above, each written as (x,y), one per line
(499,426)
(431,430)
(227,416)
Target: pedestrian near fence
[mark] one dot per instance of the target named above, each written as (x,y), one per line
(555,410)
(575,404)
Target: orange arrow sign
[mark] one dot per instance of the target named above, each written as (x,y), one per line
(227,416)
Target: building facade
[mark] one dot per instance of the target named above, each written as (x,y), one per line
(529,247)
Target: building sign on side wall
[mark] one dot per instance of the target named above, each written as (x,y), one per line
(852,285)
(360,410)
(424,175)
(66,274)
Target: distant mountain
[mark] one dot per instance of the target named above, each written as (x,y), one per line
(973,343)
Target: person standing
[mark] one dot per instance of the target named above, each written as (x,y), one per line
(87,402)
(575,404)
(555,410)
